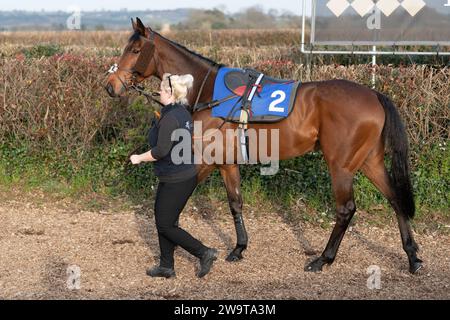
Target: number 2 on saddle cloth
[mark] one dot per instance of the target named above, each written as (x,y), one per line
(273,101)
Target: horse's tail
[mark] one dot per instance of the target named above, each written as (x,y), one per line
(396,142)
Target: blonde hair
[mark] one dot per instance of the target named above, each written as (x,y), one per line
(181,84)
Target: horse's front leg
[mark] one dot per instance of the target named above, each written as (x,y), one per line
(232,179)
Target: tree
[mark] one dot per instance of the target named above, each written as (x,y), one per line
(205,20)
(255,18)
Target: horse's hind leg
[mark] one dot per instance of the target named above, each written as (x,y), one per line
(232,179)
(342,181)
(375,170)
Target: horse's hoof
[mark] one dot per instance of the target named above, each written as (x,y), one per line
(234,257)
(416,267)
(315,266)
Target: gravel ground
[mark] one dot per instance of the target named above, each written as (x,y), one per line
(40,239)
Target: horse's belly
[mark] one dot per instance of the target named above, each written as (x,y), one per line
(298,145)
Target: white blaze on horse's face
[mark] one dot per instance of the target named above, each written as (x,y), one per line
(114,85)
(114,68)
(118,79)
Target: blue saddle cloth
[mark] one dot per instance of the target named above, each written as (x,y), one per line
(273,102)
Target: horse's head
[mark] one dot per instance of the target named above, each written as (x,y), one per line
(137,62)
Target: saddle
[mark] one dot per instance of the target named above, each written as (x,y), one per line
(238,80)
(264,99)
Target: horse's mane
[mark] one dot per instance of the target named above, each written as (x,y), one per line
(212,63)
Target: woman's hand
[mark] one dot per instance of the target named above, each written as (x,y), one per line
(139,158)
(135,159)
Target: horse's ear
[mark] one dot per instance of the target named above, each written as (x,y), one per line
(143,31)
(133,24)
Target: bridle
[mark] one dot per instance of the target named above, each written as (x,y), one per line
(146,56)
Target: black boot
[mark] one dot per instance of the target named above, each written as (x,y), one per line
(206,262)
(161,272)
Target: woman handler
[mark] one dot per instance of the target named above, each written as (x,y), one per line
(176,181)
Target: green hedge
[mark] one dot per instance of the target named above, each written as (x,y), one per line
(59,131)
(106,170)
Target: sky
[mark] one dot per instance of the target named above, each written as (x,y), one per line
(90,5)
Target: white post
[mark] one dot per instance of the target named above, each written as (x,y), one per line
(304,25)
(374,64)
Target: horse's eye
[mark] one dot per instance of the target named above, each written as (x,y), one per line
(136,51)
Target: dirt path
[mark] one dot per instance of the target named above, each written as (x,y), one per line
(40,240)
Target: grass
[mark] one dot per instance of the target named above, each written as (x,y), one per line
(307,187)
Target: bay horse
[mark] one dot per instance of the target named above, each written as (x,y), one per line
(351,124)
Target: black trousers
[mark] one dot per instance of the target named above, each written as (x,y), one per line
(170,201)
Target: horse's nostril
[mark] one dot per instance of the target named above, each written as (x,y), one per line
(109,88)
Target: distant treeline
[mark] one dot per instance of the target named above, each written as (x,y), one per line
(181,19)
(251,18)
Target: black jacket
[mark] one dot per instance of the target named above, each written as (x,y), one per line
(173,117)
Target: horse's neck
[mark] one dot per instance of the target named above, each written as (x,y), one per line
(176,60)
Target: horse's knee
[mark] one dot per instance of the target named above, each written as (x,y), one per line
(345,212)
(235,204)
(236,207)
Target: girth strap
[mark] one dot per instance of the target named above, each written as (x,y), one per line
(250,91)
